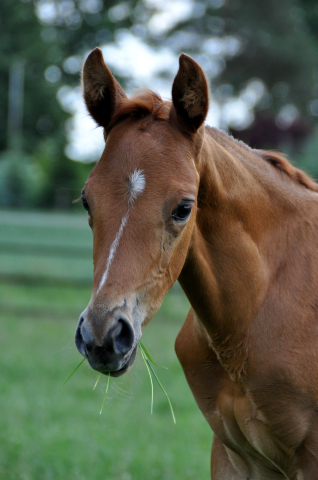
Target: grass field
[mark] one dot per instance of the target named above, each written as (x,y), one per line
(53,431)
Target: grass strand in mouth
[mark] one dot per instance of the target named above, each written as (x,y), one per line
(144,357)
(107,385)
(148,360)
(108,378)
(145,351)
(97,381)
(76,368)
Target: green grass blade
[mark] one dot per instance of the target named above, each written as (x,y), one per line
(76,368)
(147,359)
(149,372)
(97,381)
(160,385)
(142,347)
(105,393)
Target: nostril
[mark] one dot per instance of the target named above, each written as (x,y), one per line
(123,337)
(83,337)
(79,338)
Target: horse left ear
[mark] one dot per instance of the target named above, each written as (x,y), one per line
(102,93)
(190,94)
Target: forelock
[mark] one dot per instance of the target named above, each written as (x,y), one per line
(145,104)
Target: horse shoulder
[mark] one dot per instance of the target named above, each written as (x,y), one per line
(210,383)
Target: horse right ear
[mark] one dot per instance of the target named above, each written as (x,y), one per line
(102,93)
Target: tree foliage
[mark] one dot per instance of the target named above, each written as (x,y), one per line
(260,53)
(240,43)
(48,39)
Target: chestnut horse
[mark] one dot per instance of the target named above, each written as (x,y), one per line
(171,199)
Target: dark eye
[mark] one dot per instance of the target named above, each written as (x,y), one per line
(85,203)
(182,212)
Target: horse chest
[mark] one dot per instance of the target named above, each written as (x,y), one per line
(254,446)
(210,384)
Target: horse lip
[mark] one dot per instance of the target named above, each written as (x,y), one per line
(129,362)
(127,365)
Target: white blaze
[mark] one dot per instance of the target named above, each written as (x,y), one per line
(136,185)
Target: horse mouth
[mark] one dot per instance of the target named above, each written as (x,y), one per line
(117,352)
(125,368)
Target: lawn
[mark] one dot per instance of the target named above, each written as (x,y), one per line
(53,431)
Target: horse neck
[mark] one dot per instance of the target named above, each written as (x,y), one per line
(226,273)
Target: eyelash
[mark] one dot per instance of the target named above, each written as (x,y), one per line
(85,203)
(182,212)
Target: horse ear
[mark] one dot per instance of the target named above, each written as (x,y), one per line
(190,94)
(102,93)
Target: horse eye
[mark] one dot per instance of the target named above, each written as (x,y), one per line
(85,203)
(182,212)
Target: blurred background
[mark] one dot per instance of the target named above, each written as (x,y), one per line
(261,59)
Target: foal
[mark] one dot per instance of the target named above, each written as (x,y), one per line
(171,199)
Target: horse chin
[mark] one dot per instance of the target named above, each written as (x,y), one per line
(126,367)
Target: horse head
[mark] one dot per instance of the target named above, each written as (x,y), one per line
(141,199)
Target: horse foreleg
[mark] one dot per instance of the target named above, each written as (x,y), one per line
(221,467)
(309,462)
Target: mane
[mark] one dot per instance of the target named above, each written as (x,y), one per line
(282,164)
(277,160)
(145,103)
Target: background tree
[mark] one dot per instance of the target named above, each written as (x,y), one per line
(261,59)
(43,42)
(276,42)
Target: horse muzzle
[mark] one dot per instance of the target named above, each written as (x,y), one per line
(115,350)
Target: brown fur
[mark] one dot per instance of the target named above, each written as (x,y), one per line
(247,259)
(146,104)
(282,164)
(150,104)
